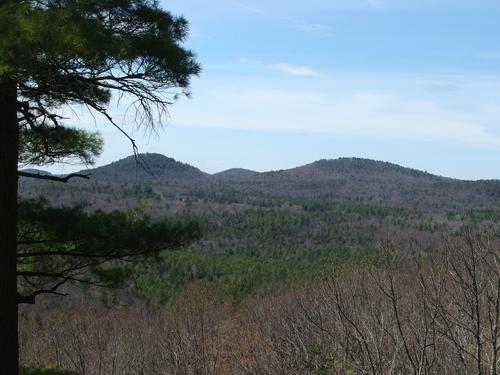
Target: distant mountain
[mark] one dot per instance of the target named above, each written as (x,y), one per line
(147,167)
(321,210)
(344,180)
(374,182)
(347,165)
(235,173)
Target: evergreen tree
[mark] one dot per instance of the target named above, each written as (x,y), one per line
(55,53)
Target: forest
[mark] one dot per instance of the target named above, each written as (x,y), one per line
(149,265)
(278,283)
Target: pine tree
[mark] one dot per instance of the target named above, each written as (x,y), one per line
(55,53)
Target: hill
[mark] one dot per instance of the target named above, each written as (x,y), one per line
(345,180)
(373,182)
(235,173)
(287,222)
(147,167)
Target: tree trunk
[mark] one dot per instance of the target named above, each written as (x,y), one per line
(9,138)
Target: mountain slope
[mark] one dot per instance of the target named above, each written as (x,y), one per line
(147,167)
(374,182)
(343,180)
(235,173)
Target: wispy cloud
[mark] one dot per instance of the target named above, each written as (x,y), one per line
(277,8)
(297,70)
(293,22)
(250,9)
(443,87)
(315,28)
(377,4)
(379,115)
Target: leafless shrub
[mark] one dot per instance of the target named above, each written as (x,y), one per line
(430,313)
(182,339)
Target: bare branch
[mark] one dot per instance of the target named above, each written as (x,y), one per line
(54,178)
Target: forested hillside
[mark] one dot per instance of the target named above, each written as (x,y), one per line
(262,228)
(268,261)
(284,256)
(346,179)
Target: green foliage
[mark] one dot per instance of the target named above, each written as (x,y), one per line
(285,232)
(47,145)
(58,244)
(234,277)
(48,42)
(99,232)
(80,52)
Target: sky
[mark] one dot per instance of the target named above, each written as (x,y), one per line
(288,82)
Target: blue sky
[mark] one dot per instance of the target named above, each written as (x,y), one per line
(284,83)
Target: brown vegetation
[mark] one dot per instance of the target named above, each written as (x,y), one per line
(422,314)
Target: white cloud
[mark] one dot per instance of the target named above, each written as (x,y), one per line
(296,70)
(357,114)
(313,27)
(386,107)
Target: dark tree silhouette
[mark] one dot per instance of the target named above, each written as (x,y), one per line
(55,53)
